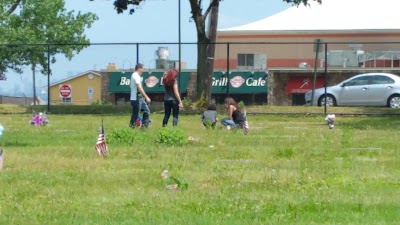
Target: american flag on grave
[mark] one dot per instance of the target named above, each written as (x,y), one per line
(101,145)
(1,159)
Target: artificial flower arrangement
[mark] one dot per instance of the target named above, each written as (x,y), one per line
(330,120)
(39,119)
(1,130)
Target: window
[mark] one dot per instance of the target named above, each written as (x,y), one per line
(246,60)
(379,79)
(359,81)
(66,100)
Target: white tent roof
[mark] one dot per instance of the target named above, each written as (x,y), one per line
(331,15)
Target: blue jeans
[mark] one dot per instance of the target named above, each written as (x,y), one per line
(135,112)
(228,122)
(137,107)
(168,106)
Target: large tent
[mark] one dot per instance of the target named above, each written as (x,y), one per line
(330,16)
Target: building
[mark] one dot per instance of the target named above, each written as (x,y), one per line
(81,89)
(285,43)
(18,100)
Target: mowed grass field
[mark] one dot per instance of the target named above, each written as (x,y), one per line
(287,170)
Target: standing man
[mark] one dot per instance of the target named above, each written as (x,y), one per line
(137,95)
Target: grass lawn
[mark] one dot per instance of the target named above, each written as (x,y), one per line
(287,170)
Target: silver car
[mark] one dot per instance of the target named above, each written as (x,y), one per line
(369,89)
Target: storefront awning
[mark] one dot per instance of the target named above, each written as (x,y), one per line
(303,84)
(151,81)
(238,82)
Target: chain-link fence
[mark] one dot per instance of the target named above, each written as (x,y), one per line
(254,72)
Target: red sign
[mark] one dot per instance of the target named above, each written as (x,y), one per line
(65,91)
(303,84)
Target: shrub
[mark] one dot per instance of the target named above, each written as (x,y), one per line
(241,105)
(125,136)
(186,103)
(172,136)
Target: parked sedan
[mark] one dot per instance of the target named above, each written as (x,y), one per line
(369,89)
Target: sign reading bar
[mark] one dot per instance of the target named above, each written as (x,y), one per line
(151,82)
(236,83)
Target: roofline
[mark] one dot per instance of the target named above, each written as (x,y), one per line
(343,31)
(75,76)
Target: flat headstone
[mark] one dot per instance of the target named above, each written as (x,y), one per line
(366,149)
(367,159)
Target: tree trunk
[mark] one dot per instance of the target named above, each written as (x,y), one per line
(212,36)
(202,83)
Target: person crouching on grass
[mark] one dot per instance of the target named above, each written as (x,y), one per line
(172,98)
(210,116)
(235,118)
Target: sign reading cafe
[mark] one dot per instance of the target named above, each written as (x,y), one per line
(237,82)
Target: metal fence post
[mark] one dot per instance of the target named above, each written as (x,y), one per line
(48,77)
(227,68)
(137,53)
(326,74)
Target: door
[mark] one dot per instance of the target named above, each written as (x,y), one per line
(355,92)
(380,89)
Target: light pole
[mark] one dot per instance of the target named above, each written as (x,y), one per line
(179,45)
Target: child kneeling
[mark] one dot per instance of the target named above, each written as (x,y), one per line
(235,119)
(210,116)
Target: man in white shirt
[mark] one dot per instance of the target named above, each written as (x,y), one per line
(136,99)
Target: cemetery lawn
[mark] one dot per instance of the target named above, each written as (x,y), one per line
(287,170)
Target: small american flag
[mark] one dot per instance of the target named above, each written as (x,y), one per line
(101,145)
(245,124)
(1,159)
(245,127)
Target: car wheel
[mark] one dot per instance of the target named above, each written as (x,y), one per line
(331,101)
(394,101)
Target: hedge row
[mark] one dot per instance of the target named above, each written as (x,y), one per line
(91,109)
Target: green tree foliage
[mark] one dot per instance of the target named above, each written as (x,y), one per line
(40,22)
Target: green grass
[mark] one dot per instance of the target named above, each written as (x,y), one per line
(287,170)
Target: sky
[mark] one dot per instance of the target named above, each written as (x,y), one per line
(155,21)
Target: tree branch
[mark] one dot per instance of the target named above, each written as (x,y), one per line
(212,4)
(13,7)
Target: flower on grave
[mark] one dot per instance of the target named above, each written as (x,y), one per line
(39,119)
(164,174)
(1,130)
(330,120)
(173,183)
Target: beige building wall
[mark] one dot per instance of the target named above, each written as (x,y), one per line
(79,90)
(291,54)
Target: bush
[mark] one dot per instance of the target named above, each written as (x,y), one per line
(241,105)
(103,108)
(186,103)
(125,136)
(84,109)
(172,136)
